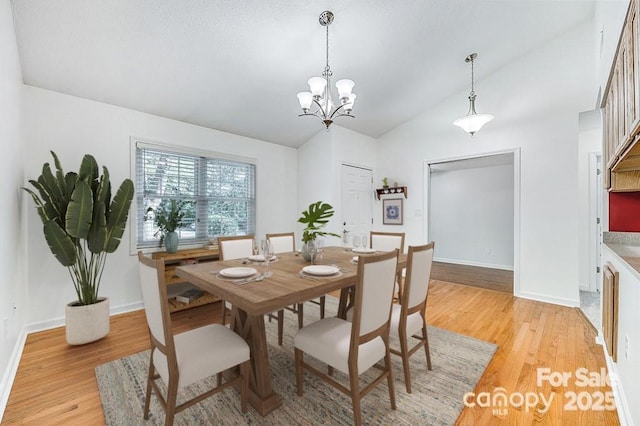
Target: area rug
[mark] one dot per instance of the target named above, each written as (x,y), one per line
(458,362)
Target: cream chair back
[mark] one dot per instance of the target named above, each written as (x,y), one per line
(154,294)
(419,261)
(374,295)
(282,243)
(387,241)
(235,247)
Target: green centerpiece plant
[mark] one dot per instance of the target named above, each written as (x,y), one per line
(316,217)
(168,217)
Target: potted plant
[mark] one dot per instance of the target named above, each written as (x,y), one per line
(316,217)
(82,224)
(385,182)
(168,217)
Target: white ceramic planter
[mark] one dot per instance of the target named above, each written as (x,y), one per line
(87,323)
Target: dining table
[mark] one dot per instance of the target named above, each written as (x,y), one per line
(287,285)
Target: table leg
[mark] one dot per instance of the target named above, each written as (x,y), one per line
(346,301)
(261,395)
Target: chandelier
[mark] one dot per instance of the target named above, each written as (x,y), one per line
(320,95)
(473,121)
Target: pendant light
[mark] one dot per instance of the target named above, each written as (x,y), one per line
(473,121)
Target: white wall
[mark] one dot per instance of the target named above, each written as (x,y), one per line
(471,215)
(320,169)
(72,127)
(536,101)
(12,248)
(626,371)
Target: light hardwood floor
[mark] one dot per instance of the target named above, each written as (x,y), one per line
(56,384)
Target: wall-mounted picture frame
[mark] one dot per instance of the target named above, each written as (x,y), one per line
(392,211)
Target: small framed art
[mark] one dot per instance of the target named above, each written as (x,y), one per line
(392,211)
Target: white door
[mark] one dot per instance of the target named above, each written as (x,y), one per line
(357,200)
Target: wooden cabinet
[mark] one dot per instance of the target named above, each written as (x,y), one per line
(183,257)
(621,110)
(610,296)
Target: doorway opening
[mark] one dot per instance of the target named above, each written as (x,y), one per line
(472,206)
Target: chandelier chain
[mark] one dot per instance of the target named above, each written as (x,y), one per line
(327,68)
(473,92)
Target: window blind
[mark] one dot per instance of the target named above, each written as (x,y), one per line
(218,194)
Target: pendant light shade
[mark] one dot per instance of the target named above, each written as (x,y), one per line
(473,121)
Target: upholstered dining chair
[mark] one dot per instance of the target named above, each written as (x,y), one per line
(387,241)
(354,347)
(234,247)
(285,243)
(185,358)
(408,318)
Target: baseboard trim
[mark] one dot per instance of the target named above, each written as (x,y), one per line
(624,415)
(471,263)
(14,361)
(10,373)
(572,303)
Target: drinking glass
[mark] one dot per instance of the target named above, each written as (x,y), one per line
(319,246)
(267,252)
(365,241)
(356,241)
(256,247)
(312,249)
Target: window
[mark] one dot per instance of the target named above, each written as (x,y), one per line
(219,194)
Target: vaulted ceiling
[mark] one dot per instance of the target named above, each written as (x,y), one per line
(236,65)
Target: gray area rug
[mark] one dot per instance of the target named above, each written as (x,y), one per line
(458,363)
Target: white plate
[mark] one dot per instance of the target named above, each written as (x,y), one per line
(320,270)
(363,250)
(239,272)
(260,258)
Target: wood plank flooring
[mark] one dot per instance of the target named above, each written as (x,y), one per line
(489,278)
(56,384)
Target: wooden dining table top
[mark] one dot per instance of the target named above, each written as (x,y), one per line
(287,286)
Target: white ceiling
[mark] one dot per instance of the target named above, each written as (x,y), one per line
(236,65)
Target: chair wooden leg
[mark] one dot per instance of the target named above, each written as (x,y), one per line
(147,399)
(426,346)
(300,315)
(392,391)
(223,312)
(245,370)
(280,326)
(299,381)
(354,384)
(404,353)
(322,306)
(172,396)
